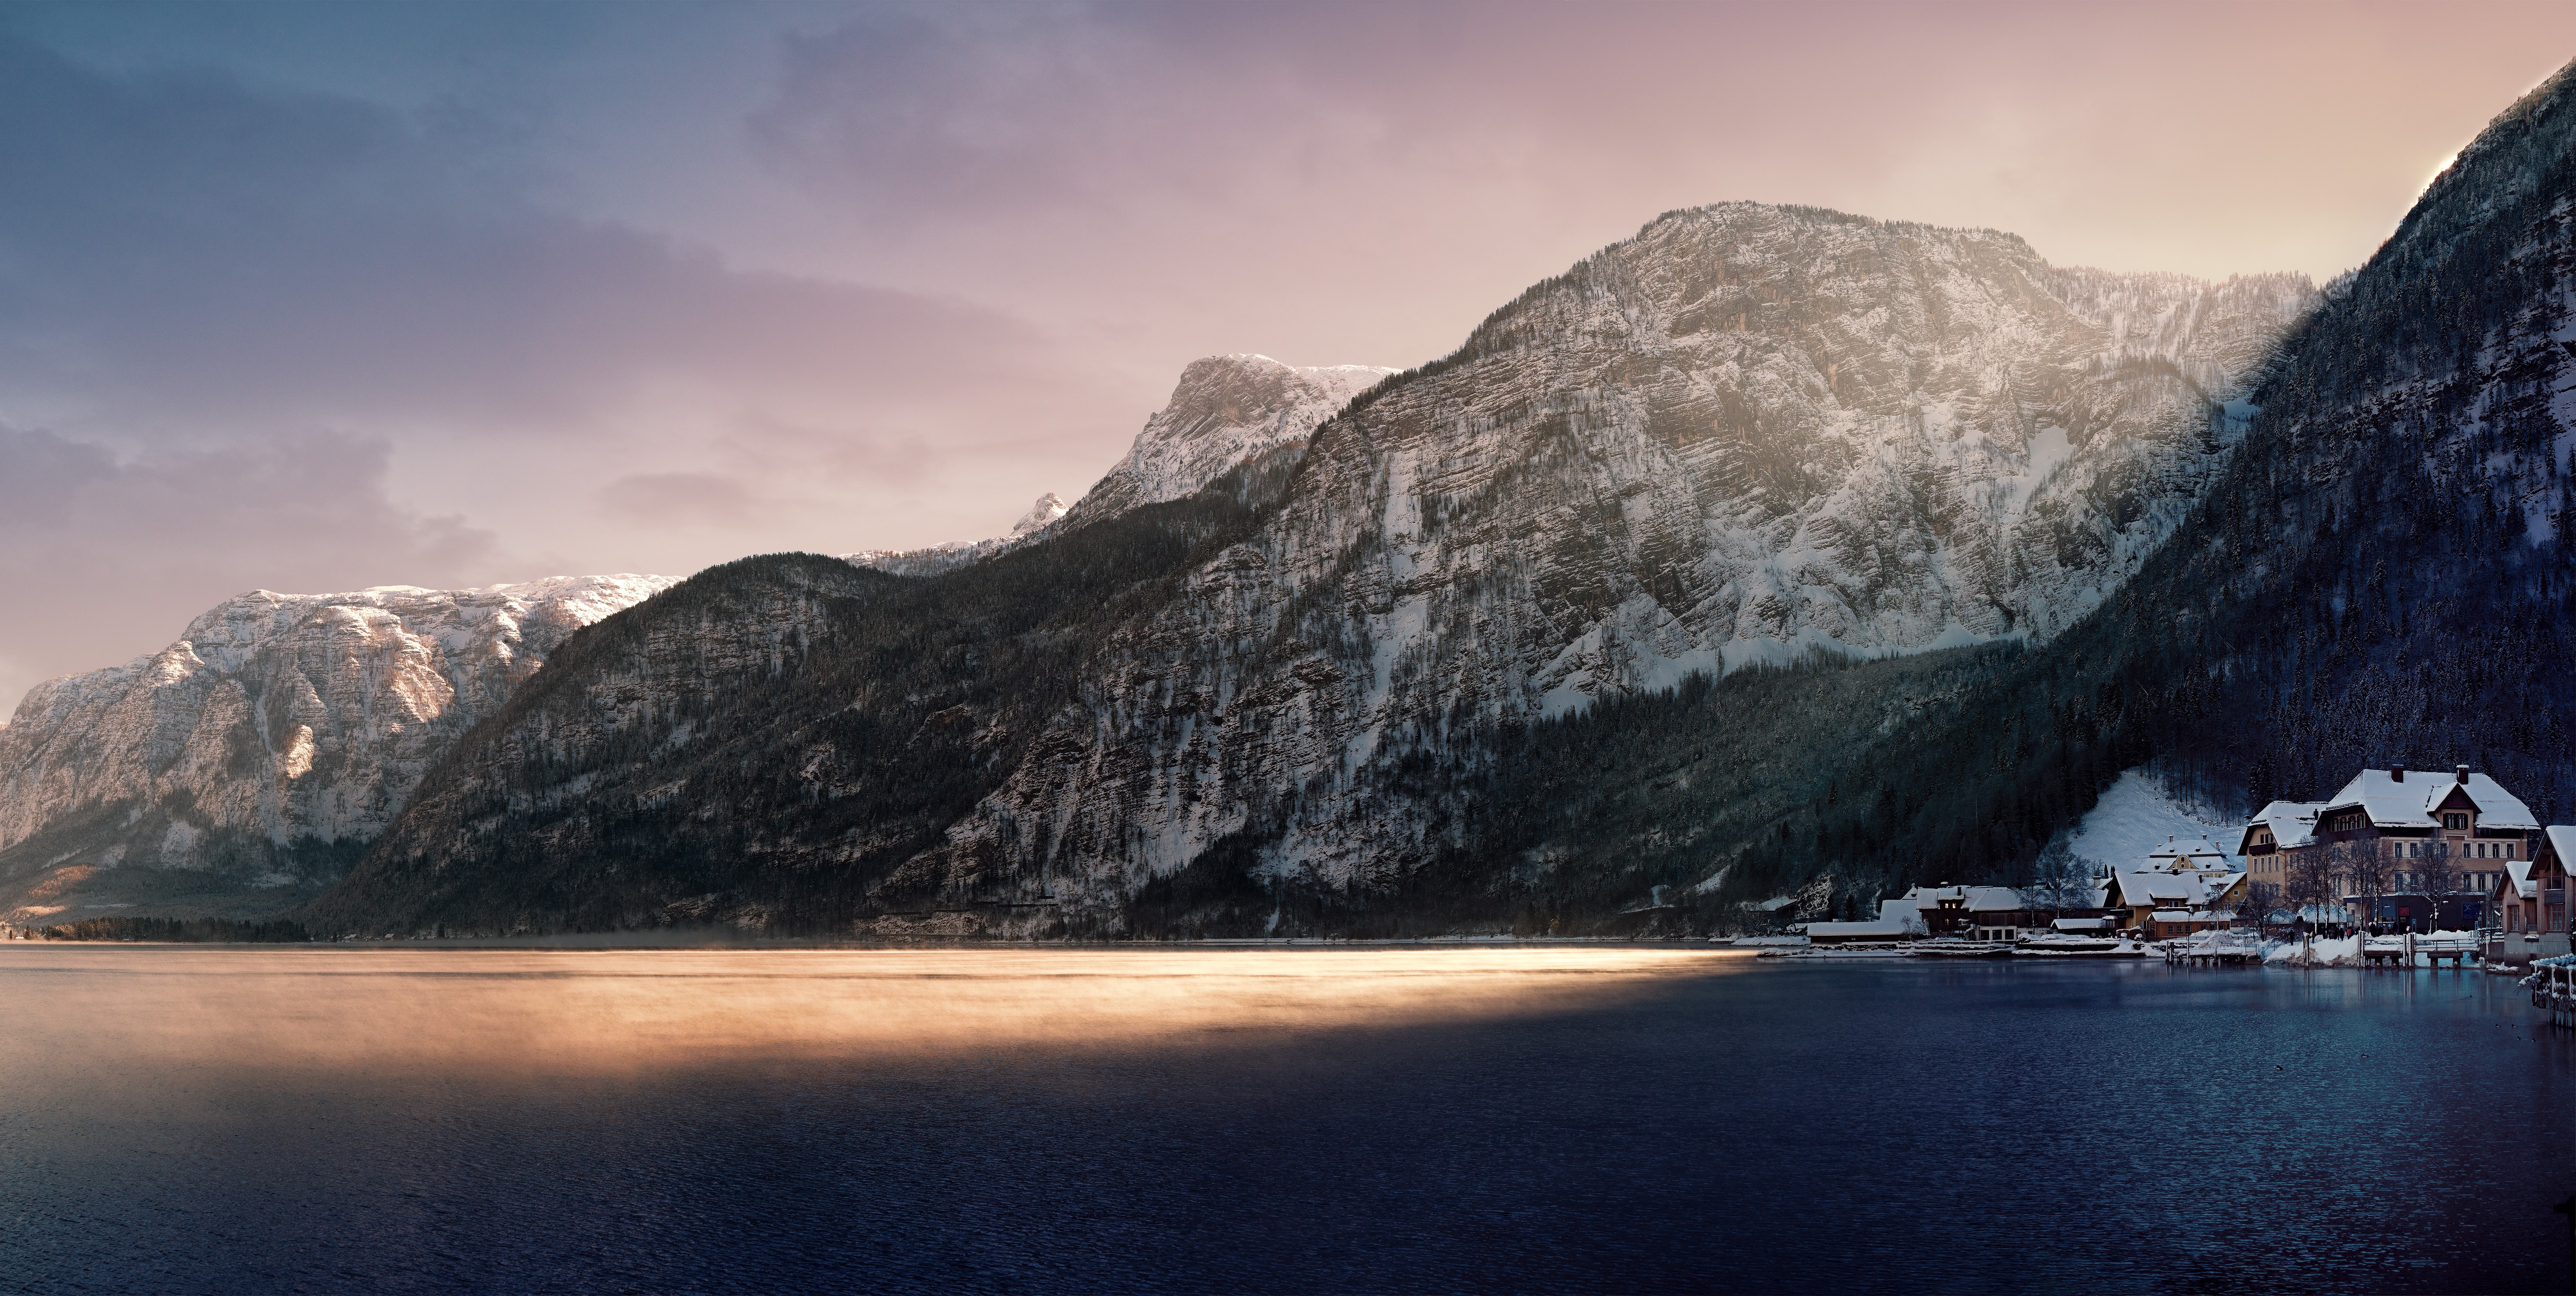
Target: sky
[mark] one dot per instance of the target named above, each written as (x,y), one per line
(318,297)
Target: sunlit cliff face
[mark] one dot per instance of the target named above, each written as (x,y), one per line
(93,1011)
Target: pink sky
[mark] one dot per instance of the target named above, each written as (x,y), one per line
(320,298)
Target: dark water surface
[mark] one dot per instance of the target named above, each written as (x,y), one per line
(180,1120)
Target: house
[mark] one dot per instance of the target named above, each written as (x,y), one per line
(2530,897)
(1976,912)
(2389,834)
(2189,855)
(1897,920)
(2164,904)
(2144,893)
(2277,835)
(1999,914)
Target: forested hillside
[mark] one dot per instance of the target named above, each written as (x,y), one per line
(1447,669)
(2380,574)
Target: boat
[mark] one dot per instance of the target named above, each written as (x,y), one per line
(1960,949)
(2064,945)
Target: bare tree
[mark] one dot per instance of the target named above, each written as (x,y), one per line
(2309,884)
(2437,875)
(2261,898)
(2365,873)
(2057,879)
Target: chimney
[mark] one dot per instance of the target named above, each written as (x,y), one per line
(2397,772)
(2461,775)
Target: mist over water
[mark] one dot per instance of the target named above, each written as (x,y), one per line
(212,1119)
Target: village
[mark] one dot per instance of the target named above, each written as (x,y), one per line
(2401,867)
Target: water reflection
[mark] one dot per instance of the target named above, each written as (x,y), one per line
(594,1011)
(1568,1120)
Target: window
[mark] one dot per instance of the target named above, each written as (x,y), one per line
(2455,821)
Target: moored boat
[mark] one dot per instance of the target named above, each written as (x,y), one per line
(1959,949)
(2063,945)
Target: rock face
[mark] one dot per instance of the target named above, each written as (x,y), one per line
(1226,411)
(2380,573)
(1748,433)
(258,755)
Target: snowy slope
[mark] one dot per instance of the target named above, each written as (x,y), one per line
(2135,816)
(1747,433)
(277,733)
(1225,410)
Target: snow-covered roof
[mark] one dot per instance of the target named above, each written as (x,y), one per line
(2186,853)
(1993,899)
(2293,824)
(2517,878)
(2409,802)
(1988,899)
(2082,924)
(2136,889)
(2171,915)
(2562,843)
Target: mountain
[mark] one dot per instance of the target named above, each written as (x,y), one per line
(1326,685)
(2379,575)
(252,761)
(1226,410)
(1048,509)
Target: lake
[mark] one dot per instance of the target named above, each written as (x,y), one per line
(243,1119)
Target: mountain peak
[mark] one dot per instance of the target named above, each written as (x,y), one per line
(1225,410)
(1041,515)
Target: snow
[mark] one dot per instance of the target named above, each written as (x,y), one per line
(2135,818)
(2343,951)
(2410,802)
(930,561)
(2049,450)
(2293,823)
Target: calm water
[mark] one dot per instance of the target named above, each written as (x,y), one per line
(192,1120)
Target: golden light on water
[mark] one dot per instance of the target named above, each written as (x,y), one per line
(92,1007)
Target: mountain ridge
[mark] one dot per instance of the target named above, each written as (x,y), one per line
(252,757)
(1748,434)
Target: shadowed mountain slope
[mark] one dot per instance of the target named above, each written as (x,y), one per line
(1749,436)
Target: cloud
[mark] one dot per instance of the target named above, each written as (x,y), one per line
(681,498)
(184,246)
(300,340)
(104,556)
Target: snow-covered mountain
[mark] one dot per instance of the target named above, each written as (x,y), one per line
(269,744)
(1747,433)
(1046,512)
(1225,411)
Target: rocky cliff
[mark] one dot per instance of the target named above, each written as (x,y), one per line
(2378,575)
(1226,410)
(250,761)
(1747,436)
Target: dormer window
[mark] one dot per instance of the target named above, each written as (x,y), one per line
(2456,822)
